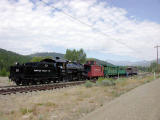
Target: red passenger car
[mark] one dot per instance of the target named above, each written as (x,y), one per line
(93,70)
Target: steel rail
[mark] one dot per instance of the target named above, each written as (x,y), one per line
(43,87)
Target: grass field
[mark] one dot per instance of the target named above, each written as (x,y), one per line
(68,103)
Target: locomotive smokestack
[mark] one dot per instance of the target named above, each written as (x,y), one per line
(57,58)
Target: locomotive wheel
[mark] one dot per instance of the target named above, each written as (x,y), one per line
(18,83)
(48,81)
(79,77)
(25,83)
(34,83)
(42,82)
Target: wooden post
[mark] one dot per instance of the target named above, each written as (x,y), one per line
(157,55)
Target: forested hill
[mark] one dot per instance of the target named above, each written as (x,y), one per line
(46,54)
(100,62)
(53,54)
(8,58)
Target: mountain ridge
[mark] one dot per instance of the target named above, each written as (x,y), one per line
(55,54)
(46,54)
(143,63)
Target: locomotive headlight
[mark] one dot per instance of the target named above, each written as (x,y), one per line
(17,70)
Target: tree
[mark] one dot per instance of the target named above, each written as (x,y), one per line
(76,55)
(3,72)
(153,67)
(81,55)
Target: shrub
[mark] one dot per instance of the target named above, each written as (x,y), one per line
(120,80)
(100,79)
(88,84)
(98,83)
(40,117)
(107,82)
(25,111)
(3,72)
(158,75)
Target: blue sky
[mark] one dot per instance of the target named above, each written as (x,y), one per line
(140,9)
(131,27)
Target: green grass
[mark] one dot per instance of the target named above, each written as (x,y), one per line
(49,104)
(41,117)
(25,111)
(88,84)
(105,81)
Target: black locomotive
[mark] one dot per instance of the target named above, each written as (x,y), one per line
(46,71)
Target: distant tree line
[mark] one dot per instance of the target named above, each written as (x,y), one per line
(151,68)
(75,55)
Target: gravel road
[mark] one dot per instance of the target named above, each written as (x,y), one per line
(142,103)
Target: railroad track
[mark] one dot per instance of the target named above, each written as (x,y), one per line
(7,90)
(10,86)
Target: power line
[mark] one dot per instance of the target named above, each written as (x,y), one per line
(90,26)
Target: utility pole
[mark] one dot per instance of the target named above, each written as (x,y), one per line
(157,55)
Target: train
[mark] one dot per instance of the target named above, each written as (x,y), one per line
(60,70)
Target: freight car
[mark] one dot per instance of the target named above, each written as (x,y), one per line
(131,71)
(46,71)
(111,71)
(93,70)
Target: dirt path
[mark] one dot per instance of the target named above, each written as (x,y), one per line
(142,103)
(4,81)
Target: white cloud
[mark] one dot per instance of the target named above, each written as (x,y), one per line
(26,28)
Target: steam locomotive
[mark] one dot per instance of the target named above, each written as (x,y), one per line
(59,70)
(46,71)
